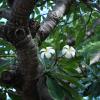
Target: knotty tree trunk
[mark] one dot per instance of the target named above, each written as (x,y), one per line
(27,78)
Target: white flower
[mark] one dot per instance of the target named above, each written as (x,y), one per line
(11,52)
(68,51)
(47,52)
(78,70)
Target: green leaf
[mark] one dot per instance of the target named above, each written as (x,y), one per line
(2,95)
(1,1)
(90,48)
(4,64)
(75,94)
(72,63)
(13,96)
(68,78)
(54,89)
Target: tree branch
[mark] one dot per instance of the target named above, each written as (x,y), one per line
(61,6)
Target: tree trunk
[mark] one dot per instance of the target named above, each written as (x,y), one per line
(28,62)
(18,32)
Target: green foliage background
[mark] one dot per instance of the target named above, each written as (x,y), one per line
(62,77)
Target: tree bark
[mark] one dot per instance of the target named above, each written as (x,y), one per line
(21,11)
(28,62)
(18,32)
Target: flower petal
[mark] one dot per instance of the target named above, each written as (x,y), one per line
(72,49)
(42,55)
(66,47)
(52,51)
(78,70)
(43,50)
(64,51)
(47,55)
(73,54)
(68,55)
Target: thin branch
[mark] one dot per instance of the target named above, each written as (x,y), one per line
(89,17)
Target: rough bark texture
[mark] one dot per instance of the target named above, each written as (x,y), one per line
(28,63)
(61,7)
(18,31)
(21,10)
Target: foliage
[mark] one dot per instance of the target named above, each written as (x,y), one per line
(62,77)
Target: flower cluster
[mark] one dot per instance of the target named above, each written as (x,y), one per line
(67,51)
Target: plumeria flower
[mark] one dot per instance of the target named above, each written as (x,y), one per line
(47,52)
(68,51)
(78,70)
